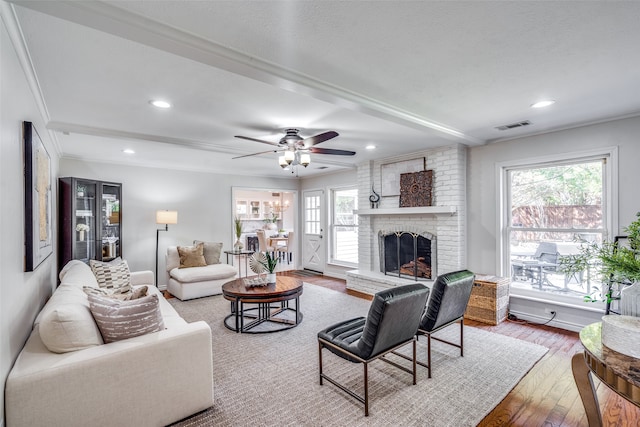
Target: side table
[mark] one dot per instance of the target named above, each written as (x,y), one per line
(239,254)
(621,373)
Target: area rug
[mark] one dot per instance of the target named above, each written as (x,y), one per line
(272,379)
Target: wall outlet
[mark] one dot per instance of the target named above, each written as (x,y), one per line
(549,311)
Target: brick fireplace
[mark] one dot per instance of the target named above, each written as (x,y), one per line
(444,222)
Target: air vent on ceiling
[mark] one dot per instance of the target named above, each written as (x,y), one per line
(322,167)
(514,125)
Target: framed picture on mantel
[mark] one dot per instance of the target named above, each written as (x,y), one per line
(37,199)
(390,174)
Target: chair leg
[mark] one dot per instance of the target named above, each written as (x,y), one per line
(429,355)
(366,389)
(320,360)
(462,337)
(414,362)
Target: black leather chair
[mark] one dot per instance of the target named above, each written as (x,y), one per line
(392,322)
(449,298)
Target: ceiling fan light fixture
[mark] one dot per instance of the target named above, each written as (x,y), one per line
(282,162)
(305,159)
(289,156)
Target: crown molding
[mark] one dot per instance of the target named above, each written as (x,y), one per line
(24,58)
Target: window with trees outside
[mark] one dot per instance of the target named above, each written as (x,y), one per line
(344,226)
(552,209)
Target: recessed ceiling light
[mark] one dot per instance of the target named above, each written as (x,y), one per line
(542,104)
(128,151)
(159,103)
(370,147)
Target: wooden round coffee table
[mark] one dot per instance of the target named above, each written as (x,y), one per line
(267,307)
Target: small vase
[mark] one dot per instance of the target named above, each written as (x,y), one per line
(237,246)
(271,277)
(81,235)
(630,300)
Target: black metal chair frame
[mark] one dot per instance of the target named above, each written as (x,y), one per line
(365,399)
(429,338)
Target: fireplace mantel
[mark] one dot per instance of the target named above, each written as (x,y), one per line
(428,210)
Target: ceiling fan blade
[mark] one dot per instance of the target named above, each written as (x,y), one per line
(257,140)
(318,150)
(322,137)
(255,154)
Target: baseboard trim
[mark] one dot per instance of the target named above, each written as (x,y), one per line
(556,323)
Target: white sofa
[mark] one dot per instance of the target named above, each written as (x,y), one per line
(149,380)
(195,282)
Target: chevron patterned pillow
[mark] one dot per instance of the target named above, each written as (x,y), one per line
(113,275)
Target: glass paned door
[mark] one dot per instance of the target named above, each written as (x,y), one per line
(111,222)
(313,243)
(85,193)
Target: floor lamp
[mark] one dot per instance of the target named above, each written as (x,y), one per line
(166,218)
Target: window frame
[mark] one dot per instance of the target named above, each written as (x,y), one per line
(332,225)
(503,217)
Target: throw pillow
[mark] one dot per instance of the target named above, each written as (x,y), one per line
(212,251)
(134,294)
(119,320)
(113,275)
(69,327)
(192,256)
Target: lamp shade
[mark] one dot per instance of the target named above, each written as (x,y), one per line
(166,217)
(305,159)
(289,156)
(282,162)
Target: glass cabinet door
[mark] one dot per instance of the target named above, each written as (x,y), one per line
(85,220)
(110,233)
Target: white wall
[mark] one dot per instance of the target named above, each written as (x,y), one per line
(483,197)
(22,295)
(203,202)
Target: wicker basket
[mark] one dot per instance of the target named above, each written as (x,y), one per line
(489,302)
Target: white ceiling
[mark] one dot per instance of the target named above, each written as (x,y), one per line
(402,75)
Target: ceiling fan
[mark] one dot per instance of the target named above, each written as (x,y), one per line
(295,149)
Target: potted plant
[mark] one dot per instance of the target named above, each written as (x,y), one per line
(269,262)
(237,223)
(616,263)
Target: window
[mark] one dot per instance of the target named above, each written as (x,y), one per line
(344,226)
(551,209)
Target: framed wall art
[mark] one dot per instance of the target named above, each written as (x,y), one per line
(37,199)
(390,174)
(416,189)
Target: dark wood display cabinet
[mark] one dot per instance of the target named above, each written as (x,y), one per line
(89,220)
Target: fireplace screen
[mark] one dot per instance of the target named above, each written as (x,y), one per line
(407,254)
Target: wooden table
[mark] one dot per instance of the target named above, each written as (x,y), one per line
(273,241)
(270,305)
(621,373)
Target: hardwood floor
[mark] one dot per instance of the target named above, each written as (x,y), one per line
(547,395)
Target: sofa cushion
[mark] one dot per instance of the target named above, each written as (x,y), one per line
(136,293)
(199,274)
(69,327)
(212,251)
(113,275)
(192,256)
(77,273)
(119,320)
